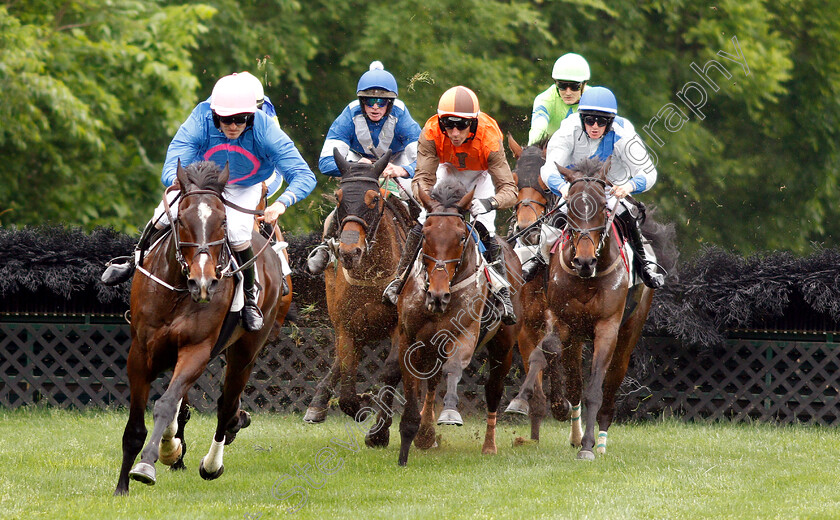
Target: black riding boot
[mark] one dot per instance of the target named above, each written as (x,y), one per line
(121,268)
(252,318)
(495,256)
(532,267)
(320,256)
(646,268)
(409,254)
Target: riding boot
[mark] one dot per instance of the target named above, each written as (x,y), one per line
(252,318)
(320,255)
(647,269)
(409,254)
(121,268)
(532,267)
(495,256)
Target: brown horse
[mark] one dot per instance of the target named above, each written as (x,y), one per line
(180,298)
(372,230)
(445,314)
(587,293)
(533,201)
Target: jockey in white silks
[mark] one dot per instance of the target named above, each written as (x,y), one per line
(600,133)
(364,131)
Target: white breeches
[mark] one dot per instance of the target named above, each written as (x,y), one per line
(239,225)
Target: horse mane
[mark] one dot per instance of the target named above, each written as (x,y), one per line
(448,192)
(528,166)
(205,175)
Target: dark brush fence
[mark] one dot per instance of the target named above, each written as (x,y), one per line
(732,338)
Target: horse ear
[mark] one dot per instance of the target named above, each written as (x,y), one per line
(181,175)
(225,175)
(514,146)
(464,203)
(380,164)
(343,164)
(570,175)
(425,199)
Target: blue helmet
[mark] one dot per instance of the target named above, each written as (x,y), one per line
(377,82)
(598,99)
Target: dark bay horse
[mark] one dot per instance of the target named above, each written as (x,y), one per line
(373,229)
(179,303)
(443,318)
(533,201)
(588,284)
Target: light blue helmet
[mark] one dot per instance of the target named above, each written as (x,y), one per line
(598,99)
(377,82)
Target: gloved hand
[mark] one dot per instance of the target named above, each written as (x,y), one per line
(564,190)
(482,206)
(622,190)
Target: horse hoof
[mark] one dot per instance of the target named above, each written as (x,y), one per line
(601,450)
(206,475)
(451,417)
(315,415)
(585,455)
(169,451)
(244,419)
(519,406)
(143,472)
(380,440)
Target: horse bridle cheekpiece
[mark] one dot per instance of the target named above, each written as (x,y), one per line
(203,247)
(584,207)
(368,218)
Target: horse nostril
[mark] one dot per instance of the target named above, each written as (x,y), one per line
(576,263)
(444,300)
(214,283)
(192,284)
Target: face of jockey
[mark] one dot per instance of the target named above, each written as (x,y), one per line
(375,108)
(458,129)
(570,91)
(233,126)
(595,126)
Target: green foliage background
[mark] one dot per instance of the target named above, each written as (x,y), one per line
(94,90)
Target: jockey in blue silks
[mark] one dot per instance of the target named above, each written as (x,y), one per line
(600,132)
(264,103)
(364,131)
(230,130)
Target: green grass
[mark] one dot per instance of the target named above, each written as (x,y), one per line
(57,464)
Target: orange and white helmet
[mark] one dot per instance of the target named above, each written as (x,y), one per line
(459,102)
(233,94)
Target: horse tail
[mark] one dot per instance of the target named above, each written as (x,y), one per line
(663,240)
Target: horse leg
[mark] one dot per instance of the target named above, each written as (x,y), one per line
(410,421)
(191,363)
(183,417)
(229,417)
(171,447)
(602,353)
(135,429)
(379,435)
(426,437)
(348,354)
(453,371)
(500,357)
(317,410)
(570,357)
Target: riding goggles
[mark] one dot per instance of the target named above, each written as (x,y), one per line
(574,86)
(239,119)
(374,101)
(456,122)
(596,120)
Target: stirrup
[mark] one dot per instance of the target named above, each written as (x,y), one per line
(532,267)
(252,317)
(651,279)
(118,270)
(390,296)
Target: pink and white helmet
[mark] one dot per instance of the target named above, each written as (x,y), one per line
(233,94)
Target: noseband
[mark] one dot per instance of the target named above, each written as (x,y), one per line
(440,265)
(369,228)
(587,232)
(204,246)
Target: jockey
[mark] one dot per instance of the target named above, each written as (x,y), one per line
(367,128)
(230,130)
(570,74)
(264,103)
(600,132)
(464,142)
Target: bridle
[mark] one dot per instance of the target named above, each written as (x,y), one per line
(204,246)
(577,234)
(369,228)
(440,265)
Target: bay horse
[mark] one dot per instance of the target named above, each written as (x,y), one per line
(589,283)
(445,314)
(372,230)
(180,298)
(533,201)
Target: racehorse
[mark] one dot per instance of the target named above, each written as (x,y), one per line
(373,228)
(180,298)
(444,314)
(590,297)
(533,201)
